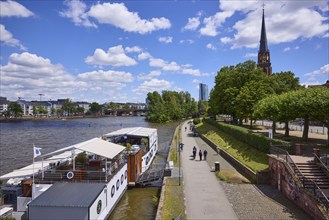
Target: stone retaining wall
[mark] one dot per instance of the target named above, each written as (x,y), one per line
(163,188)
(282,179)
(259,177)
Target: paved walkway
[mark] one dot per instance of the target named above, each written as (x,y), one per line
(206,197)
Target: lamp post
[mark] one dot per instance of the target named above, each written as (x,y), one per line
(179,149)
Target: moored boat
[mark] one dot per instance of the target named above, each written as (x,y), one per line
(82,181)
(142,145)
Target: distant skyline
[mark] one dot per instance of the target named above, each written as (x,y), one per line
(119,51)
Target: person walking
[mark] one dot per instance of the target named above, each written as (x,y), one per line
(200,154)
(194,152)
(205,153)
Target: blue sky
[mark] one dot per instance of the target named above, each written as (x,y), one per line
(119,51)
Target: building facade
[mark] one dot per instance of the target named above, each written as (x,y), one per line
(264,59)
(3,105)
(203,92)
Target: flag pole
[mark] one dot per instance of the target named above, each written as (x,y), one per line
(33,175)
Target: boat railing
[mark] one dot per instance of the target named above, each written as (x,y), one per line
(78,175)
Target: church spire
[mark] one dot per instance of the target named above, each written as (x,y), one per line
(263,39)
(264,61)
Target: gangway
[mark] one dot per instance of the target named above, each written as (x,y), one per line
(148,177)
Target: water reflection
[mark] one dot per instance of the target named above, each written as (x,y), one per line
(137,203)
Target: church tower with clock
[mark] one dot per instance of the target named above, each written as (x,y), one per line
(264,61)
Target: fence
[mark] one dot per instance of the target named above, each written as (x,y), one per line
(312,129)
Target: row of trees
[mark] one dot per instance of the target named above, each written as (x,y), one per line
(173,106)
(240,90)
(310,104)
(68,108)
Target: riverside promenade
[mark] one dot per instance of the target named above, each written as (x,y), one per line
(206,197)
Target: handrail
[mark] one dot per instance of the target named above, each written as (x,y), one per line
(317,192)
(319,160)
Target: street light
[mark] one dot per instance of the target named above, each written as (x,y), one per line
(179,149)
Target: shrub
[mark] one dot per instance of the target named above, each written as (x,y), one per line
(244,135)
(196,121)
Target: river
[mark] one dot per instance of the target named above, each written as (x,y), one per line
(16,151)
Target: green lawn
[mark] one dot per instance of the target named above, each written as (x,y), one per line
(173,149)
(173,203)
(251,157)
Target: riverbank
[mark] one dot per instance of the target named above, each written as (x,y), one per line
(51,118)
(171,202)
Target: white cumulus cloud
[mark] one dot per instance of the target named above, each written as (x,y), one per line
(151,75)
(114,56)
(27,75)
(77,13)
(250,55)
(7,38)
(187,41)
(134,49)
(118,15)
(144,56)
(324,70)
(192,24)
(153,85)
(211,46)
(317,77)
(212,23)
(165,39)
(101,76)
(285,22)
(14,9)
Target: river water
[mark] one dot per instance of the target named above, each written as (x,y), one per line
(16,151)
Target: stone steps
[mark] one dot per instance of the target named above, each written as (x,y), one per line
(313,173)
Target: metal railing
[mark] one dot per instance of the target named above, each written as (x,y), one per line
(317,159)
(53,175)
(313,188)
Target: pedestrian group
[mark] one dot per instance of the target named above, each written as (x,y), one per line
(204,154)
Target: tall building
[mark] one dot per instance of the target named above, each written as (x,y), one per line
(264,60)
(203,92)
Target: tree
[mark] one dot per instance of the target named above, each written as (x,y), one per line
(80,110)
(113,106)
(170,106)
(39,110)
(68,107)
(237,89)
(276,108)
(95,108)
(312,104)
(250,94)
(284,82)
(309,104)
(15,109)
(203,107)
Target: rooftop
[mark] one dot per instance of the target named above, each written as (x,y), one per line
(69,195)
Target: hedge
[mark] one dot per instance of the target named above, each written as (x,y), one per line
(246,136)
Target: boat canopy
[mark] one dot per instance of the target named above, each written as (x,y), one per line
(102,148)
(136,131)
(96,146)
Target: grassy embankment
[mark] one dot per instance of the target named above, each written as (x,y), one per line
(251,157)
(173,202)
